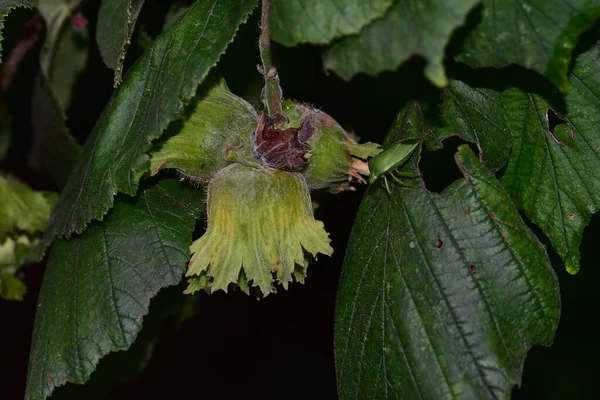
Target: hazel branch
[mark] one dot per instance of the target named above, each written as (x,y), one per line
(271,95)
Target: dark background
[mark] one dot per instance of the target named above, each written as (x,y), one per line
(281,347)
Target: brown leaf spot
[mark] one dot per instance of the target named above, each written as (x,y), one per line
(472,268)
(439,244)
(571,216)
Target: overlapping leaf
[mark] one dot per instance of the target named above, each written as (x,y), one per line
(97,286)
(441,295)
(69,59)
(116,23)
(6,6)
(54,150)
(175,11)
(318,21)
(409,28)
(537,34)
(64,55)
(554,168)
(556,181)
(151,96)
(474,114)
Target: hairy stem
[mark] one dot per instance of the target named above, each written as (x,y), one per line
(272,94)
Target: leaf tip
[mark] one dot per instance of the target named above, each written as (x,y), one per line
(572,264)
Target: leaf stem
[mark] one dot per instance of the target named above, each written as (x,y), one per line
(271,95)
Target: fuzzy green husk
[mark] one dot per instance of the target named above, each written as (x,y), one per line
(218,125)
(259,221)
(335,159)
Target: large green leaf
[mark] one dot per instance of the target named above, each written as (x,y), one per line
(116,22)
(97,286)
(6,6)
(151,96)
(318,21)
(556,179)
(410,27)
(537,34)
(441,295)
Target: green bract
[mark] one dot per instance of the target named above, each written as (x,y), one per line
(218,125)
(259,217)
(219,129)
(259,222)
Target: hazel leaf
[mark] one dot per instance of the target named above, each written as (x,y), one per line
(409,27)
(7,6)
(115,27)
(317,21)
(97,286)
(441,296)
(554,177)
(537,34)
(151,96)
